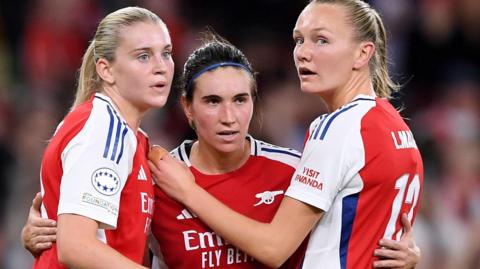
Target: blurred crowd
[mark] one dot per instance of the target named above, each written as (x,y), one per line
(434,53)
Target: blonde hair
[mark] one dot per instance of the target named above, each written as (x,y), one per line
(368,26)
(104,44)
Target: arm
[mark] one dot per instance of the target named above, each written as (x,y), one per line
(79,248)
(38,234)
(403,254)
(270,243)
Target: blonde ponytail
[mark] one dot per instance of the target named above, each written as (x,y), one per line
(88,80)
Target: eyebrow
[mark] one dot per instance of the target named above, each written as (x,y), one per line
(149,49)
(245,94)
(318,29)
(206,97)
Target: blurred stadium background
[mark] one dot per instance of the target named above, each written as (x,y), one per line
(435,54)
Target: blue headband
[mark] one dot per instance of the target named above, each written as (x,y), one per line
(213,66)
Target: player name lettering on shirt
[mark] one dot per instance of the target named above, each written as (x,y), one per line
(403,140)
(310,177)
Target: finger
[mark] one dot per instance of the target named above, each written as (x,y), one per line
(155,172)
(153,168)
(44,239)
(44,231)
(37,201)
(39,247)
(156,153)
(387,253)
(167,163)
(41,222)
(407,226)
(387,264)
(391,244)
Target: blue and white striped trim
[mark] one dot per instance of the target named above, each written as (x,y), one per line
(287,156)
(257,146)
(254,145)
(180,152)
(114,138)
(276,149)
(282,151)
(317,128)
(326,121)
(364,99)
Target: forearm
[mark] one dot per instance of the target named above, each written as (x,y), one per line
(268,243)
(92,255)
(78,247)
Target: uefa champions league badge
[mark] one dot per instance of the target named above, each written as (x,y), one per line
(106,181)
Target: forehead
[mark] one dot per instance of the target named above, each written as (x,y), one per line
(144,35)
(223,81)
(332,17)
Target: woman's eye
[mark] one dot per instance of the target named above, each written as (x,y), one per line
(322,41)
(143,57)
(213,101)
(167,54)
(298,40)
(240,100)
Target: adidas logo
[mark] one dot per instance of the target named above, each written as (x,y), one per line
(141,174)
(185,214)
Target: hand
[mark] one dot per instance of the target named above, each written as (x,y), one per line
(38,234)
(403,254)
(173,177)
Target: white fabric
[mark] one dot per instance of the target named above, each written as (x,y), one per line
(84,155)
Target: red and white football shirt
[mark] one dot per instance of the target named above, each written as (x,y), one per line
(255,190)
(96,166)
(361,166)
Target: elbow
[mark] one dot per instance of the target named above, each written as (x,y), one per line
(275,262)
(64,252)
(68,250)
(273,257)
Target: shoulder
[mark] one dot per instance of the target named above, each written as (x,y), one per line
(284,155)
(97,127)
(340,123)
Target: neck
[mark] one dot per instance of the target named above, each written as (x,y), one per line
(132,115)
(359,83)
(212,162)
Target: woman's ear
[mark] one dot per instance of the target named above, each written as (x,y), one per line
(366,50)
(187,108)
(104,70)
